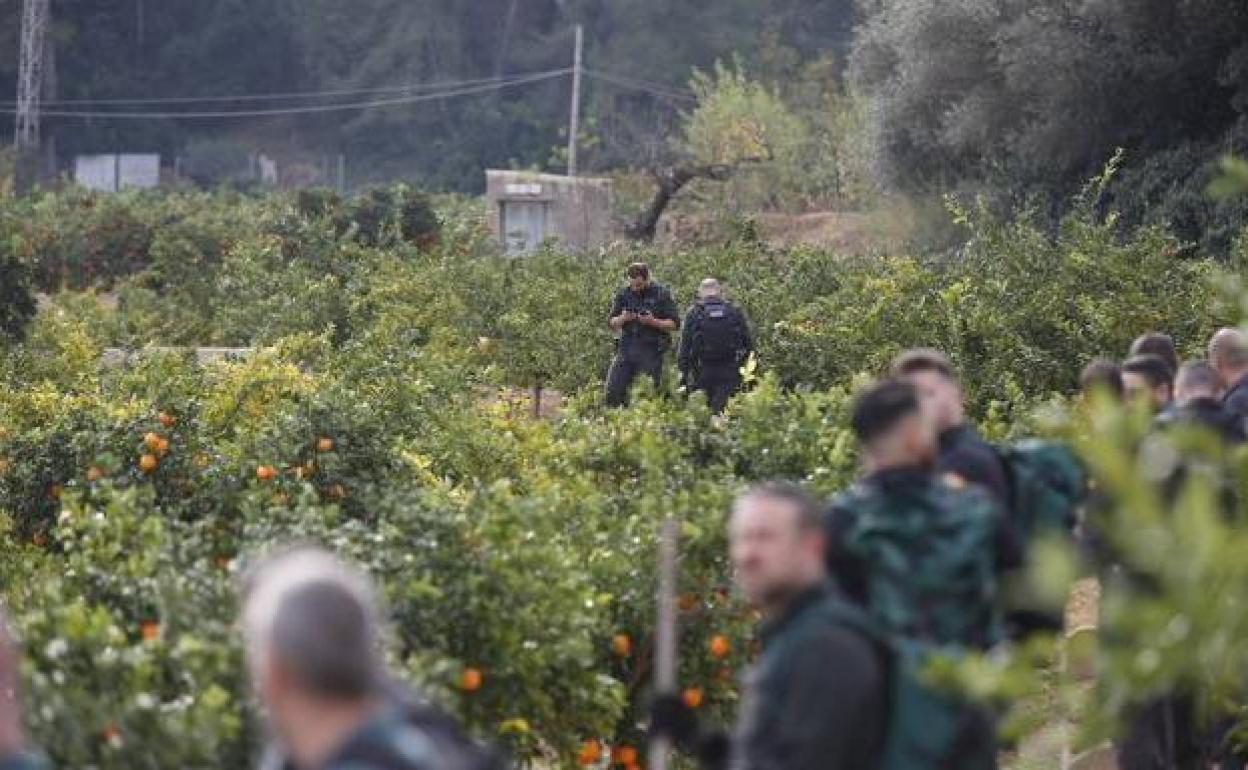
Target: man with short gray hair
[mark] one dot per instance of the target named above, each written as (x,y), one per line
(715,342)
(1197,398)
(312,632)
(1228,354)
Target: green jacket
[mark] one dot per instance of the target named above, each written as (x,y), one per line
(22,761)
(919,552)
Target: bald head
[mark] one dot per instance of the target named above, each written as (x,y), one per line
(710,288)
(1228,354)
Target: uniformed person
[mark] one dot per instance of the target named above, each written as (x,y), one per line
(816,699)
(644,315)
(961,450)
(715,341)
(918,548)
(14,751)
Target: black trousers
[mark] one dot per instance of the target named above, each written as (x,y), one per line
(630,362)
(718,380)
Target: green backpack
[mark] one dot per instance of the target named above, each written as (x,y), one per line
(1048,483)
(927,728)
(930,560)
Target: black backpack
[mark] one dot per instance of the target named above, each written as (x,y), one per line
(719,334)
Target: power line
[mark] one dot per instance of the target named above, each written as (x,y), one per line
(318,108)
(406,88)
(655,89)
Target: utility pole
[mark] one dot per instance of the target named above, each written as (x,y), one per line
(574,125)
(29,92)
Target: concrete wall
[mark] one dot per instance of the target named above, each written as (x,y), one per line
(578,208)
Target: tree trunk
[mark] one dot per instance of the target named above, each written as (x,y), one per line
(671,181)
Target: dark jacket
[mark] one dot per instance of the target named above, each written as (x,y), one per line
(964,453)
(816,698)
(1236,400)
(1206,413)
(691,354)
(655,299)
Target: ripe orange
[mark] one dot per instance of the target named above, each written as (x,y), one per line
(148,463)
(152,440)
(622,646)
(692,696)
(591,752)
(624,755)
(162,447)
(150,630)
(688,601)
(94,473)
(167,419)
(720,646)
(470,679)
(265,473)
(324,444)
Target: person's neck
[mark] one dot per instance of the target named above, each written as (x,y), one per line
(1236,377)
(781,601)
(882,463)
(325,728)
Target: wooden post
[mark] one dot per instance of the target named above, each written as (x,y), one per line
(665,631)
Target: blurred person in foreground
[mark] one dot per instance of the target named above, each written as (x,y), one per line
(313,638)
(1149,378)
(816,698)
(1228,354)
(15,753)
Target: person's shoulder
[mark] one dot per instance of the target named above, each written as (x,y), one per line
(953,491)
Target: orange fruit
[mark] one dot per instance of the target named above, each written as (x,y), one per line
(688,601)
(148,463)
(591,752)
(692,696)
(324,444)
(167,419)
(265,473)
(162,447)
(54,491)
(633,766)
(150,630)
(94,473)
(152,440)
(40,539)
(624,755)
(720,646)
(622,646)
(470,679)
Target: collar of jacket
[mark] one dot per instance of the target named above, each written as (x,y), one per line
(902,476)
(800,602)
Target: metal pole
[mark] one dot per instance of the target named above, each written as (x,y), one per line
(574,124)
(665,632)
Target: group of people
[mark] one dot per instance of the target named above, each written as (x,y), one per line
(715,339)
(854,595)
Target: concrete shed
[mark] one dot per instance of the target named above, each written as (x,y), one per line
(527,209)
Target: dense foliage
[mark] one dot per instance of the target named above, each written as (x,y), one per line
(376,416)
(1028,98)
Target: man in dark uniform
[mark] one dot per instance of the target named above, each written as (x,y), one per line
(1198,402)
(14,752)
(961,450)
(715,341)
(1228,353)
(644,315)
(816,698)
